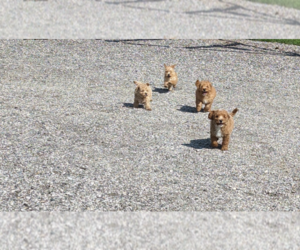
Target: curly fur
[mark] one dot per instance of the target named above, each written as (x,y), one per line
(221,125)
(170,79)
(205,94)
(142,95)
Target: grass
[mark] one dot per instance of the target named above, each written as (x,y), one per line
(287,3)
(286,41)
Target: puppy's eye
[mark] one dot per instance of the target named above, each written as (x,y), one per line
(217,116)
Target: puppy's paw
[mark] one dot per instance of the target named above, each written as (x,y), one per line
(198,109)
(149,109)
(224,148)
(214,144)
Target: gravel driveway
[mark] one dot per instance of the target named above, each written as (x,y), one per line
(70,139)
(149,230)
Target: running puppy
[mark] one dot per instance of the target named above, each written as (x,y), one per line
(205,94)
(171,78)
(221,125)
(142,95)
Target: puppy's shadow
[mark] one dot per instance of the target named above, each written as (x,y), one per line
(130,105)
(188,109)
(199,144)
(161,90)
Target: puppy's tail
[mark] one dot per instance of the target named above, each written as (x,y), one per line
(234,112)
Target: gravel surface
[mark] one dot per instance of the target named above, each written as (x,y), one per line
(147,19)
(144,230)
(71,141)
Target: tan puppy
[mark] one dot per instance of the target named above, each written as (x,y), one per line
(205,94)
(221,125)
(143,95)
(171,78)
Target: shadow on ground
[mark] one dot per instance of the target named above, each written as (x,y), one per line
(188,109)
(230,11)
(199,144)
(221,46)
(236,11)
(130,105)
(160,90)
(140,42)
(240,47)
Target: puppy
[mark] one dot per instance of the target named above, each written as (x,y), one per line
(205,94)
(221,125)
(171,78)
(142,94)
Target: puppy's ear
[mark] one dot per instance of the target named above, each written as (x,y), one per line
(147,84)
(137,84)
(173,66)
(165,65)
(197,83)
(211,115)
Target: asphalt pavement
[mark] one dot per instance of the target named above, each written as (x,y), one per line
(147,19)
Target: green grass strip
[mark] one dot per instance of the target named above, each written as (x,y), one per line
(286,41)
(287,3)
